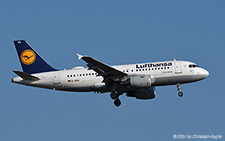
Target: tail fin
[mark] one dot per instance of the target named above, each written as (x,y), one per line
(30,60)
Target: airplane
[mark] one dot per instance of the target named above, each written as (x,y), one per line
(136,80)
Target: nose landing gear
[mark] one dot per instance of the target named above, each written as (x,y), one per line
(180,93)
(115,97)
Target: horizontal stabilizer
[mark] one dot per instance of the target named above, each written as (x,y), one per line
(26,76)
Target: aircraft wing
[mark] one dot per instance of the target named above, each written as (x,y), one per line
(107,72)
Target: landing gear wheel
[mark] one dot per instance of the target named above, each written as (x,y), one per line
(180,94)
(114,95)
(117,102)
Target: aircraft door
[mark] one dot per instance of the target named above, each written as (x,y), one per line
(57,78)
(178,69)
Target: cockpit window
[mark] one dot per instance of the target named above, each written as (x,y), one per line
(193,66)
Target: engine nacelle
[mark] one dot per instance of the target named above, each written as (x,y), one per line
(138,81)
(143,93)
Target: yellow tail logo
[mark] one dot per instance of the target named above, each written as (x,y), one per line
(28,57)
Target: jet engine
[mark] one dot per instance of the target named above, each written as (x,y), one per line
(143,93)
(138,81)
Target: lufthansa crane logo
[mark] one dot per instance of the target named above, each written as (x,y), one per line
(28,57)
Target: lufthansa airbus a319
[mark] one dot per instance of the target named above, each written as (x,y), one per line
(135,80)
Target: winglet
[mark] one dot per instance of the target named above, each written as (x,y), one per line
(79,56)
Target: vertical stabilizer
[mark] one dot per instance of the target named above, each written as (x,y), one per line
(30,60)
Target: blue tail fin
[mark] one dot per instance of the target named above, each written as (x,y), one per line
(30,60)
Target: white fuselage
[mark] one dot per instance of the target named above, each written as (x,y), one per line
(83,80)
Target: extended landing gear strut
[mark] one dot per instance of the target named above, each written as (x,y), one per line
(115,97)
(180,93)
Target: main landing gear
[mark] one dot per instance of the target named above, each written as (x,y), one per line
(180,93)
(115,97)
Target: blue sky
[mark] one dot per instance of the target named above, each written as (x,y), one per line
(115,32)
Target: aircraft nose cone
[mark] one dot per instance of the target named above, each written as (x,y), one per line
(205,73)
